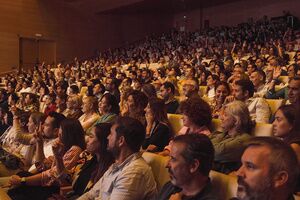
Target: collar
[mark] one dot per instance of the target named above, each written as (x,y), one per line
(116,167)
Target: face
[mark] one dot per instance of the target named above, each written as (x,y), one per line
(238,93)
(254,180)
(227,120)
(130,102)
(164,93)
(221,93)
(48,130)
(113,139)
(255,79)
(188,87)
(250,69)
(28,100)
(186,120)
(291,72)
(93,145)
(210,81)
(86,106)
(103,106)
(177,166)
(148,110)
(31,125)
(294,91)
(96,89)
(281,126)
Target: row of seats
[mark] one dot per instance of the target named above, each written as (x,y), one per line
(260,129)
(225,185)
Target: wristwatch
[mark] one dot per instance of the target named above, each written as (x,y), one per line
(23,180)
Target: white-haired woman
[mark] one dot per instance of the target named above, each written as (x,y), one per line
(229,144)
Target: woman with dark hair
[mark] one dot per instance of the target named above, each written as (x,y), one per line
(40,186)
(222,91)
(158,129)
(229,144)
(135,105)
(149,90)
(95,161)
(285,127)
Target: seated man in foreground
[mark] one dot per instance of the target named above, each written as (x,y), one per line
(269,171)
(191,160)
(130,177)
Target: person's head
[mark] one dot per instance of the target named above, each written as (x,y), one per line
(191,157)
(292,70)
(157,109)
(49,99)
(236,116)
(61,87)
(13,98)
(167,90)
(52,124)
(108,104)
(74,102)
(258,78)
(190,87)
(222,91)
(71,134)
(61,100)
(35,119)
(74,90)
(149,90)
(30,98)
(243,89)
(89,104)
(269,168)
(126,133)
(98,89)
(137,101)
(284,125)
(196,112)
(294,90)
(251,67)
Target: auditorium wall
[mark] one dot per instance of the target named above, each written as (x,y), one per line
(74,33)
(236,12)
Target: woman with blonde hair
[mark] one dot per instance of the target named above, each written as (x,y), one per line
(229,144)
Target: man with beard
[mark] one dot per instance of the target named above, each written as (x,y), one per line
(191,158)
(269,171)
(130,177)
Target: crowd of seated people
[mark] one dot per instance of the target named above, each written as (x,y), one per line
(87,123)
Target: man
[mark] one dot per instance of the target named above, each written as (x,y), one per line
(269,170)
(112,87)
(167,91)
(243,90)
(191,88)
(290,93)
(129,177)
(258,78)
(191,158)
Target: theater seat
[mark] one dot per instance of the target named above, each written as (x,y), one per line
(176,122)
(202,90)
(225,185)
(158,164)
(283,79)
(262,129)
(216,125)
(274,104)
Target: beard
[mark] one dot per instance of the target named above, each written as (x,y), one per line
(114,150)
(262,191)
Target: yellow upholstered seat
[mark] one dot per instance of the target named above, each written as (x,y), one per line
(262,129)
(283,79)
(274,104)
(224,185)
(158,165)
(202,90)
(176,122)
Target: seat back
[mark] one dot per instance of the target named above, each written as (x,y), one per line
(202,90)
(224,185)
(176,122)
(262,129)
(274,104)
(158,165)
(283,79)
(216,125)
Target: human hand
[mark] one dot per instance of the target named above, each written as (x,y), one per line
(58,149)
(176,196)
(15,180)
(229,99)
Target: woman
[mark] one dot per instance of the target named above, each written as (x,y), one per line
(135,105)
(73,110)
(108,108)
(89,109)
(222,91)
(95,161)
(286,128)
(212,80)
(229,144)
(42,185)
(196,118)
(158,131)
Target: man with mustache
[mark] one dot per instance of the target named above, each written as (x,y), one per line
(191,158)
(269,171)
